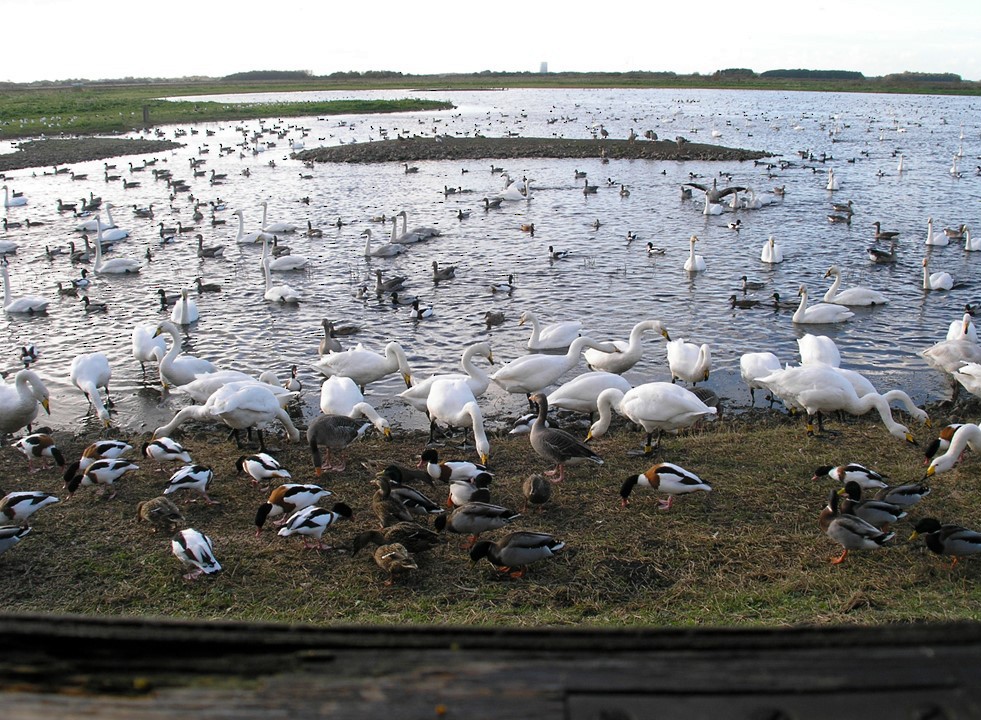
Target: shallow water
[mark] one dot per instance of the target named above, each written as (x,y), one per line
(606,283)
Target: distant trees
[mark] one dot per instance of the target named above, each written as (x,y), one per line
(916,77)
(270,75)
(801,74)
(735,73)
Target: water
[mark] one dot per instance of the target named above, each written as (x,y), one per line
(606,283)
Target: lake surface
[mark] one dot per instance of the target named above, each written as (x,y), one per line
(607,283)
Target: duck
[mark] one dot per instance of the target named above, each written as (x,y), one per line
(666,478)
(531,373)
(416,502)
(743,303)
(161,513)
(39,445)
(476,489)
(312,521)
(103,450)
(517,550)
(553,336)
(883,257)
(860,296)
(89,372)
(474,518)
(195,550)
(382,251)
(20,304)
(19,401)
(16,508)
(421,313)
(940,280)
(394,559)
(414,537)
(554,254)
(333,433)
(653,250)
(103,473)
(694,263)
(10,535)
(849,531)
(819,313)
(340,395)
(91,306)
(192,477)
(365,366)
(493,318)
(451,470)
(557,446)
(506,288)
(628,353)
(879,513)
(186,311)
(536,490)
(581,393)
(477,378)
(388,508)
(968,435)
(947,539)
(452,401)
(446,272)
(689,362)
(746,284)
(655,406)
(935,239)
(165,449)
(904,496)
(287,499)
(262,468)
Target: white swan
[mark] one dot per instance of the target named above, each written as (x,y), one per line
(19,401)
(819,388)
(963,329)
(340,396)
(688,361)
(711,208)
(948,356)
(971,244)
(405,237)
(283,263)
(863,386)
(655,406)
(966,436)
(582,392)
(92,224)
(516,191)
(386,250)
(186,311)
(244,238)
(421,232)
(20,303)
(89,372)
(281,293)
(629,352)
(818,350)
(940,280)
(550,337)
(477,378)
(531,373)
(281,228)
(969,376)
(9,201)
(755,365)
(819,313)
(180,370)
(110,232)
(116,266)
(452,402)
(694,263)
(207,384)
(771,253)
(938,239)
(146,346)
(365,366)
(833,183)
(852,296)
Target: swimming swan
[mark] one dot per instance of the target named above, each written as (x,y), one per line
(694,263)
(819,313)
(851,296)
(550,337)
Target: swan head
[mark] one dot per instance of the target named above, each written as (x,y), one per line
(693,240)
(802,291)
(833,270)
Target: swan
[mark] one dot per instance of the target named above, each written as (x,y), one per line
(20,303)
(753,366)
(819,388)
(116,266)
(863,386)
(186,311)
(820,313)
(629,352)
(422,232)
(688,361)
(947,356)
(89,372)
(146,346)
(477,378)
(180,370)
(833,183)
(452,402)
(278,293)
(240,406)
(283,263)
(531,373)
(818,350)
(280,228)
(405,237)
(852,296)
(581,393)
(19,401)
(711,208)
(771,253)
(963,329)
(969,376)
(694,263)
(340,396)
(15,201)
(966,436)
(91,224)
(940,280)
(938,239)
(387,250)
(971,244)
(110,232)
(244,238)
(655,406)
(550,337)
(207,384)
(365,366)
(516,191)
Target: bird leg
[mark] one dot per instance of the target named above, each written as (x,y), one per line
(841,558)
(558,474)
(520,572)
(194,575)
(238,440)
(665,504)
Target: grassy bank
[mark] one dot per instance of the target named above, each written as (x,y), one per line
(748,554)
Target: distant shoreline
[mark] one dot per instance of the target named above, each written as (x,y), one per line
(48,153)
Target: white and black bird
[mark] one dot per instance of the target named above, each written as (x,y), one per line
(195,550)
(192,477)
(313,521)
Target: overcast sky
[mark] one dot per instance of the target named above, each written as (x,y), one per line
(62,39)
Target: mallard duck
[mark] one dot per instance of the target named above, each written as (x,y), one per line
(947,539)
(666,478)
(10,535)
(39,445)
(536,490)
(412,499)
(19,401)
(506,288)
(386,507)
(556,445)
(103,473)
(192,477)
(394,559)
(849,531)
(17,507)
(103,450)
(866,478)
(880,513)
(517,550)
(415,537)
(474,518)
(476,489)
(743,303)
(287,499)
(312,521)
(261,467)
(165,449)
(195,550)
(161,513)
(628,352)
(333,433)
(966,436)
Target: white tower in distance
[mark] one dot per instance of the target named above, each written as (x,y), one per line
(544,69)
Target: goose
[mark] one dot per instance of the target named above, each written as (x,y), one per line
(12,200)
(852,296)
(115,266)
(947,539)
(365,366)
(517,550)
(88,373)
(753,366)
(192,477)
(477,378)
(935,239)
(771,253)
(881,234)
(966,436)
(452,401)
(629,352)
(819,388)
(666,478)
(39,445)
(313,232)
(387,250)
(16,508)
(212,251)
(422,232)
(240,406)
(580,394)
(555,445)
(447,272)
(181,370)
(333,433)
(283,263)
(392,284)
(531,373)
(328,343)
(244,238)
(185,312)
(204,287)
(195,550)
(655,406)
(281,293)
(689,362)
(955,233)
(280,228)
(19,401)
(340,395)
(550,337)
(694,263)
(849,531)
(161,513)
(819,313)
(20,304)
(287,499)
(940,280)
(492,203)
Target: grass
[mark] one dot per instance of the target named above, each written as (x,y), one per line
(748,554)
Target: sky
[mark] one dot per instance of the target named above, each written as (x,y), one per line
(65,39)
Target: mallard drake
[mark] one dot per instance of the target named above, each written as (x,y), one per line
(517,550)
(333,433)
(287,499)
(104,473)
(866,478)
(261,467)
(556,445)
(161,513)
(476,489)
(39,445)
(17,507)
(903,495)
(536,490)
(10,535)
(506,288)
(947,539)
(880,513)
(413,500)
(195,550)
(165,449)
(103,450)
(387,508)
(849,531)
(665,478)
(192,477)
(474,518)
(19,401)
(312,521)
